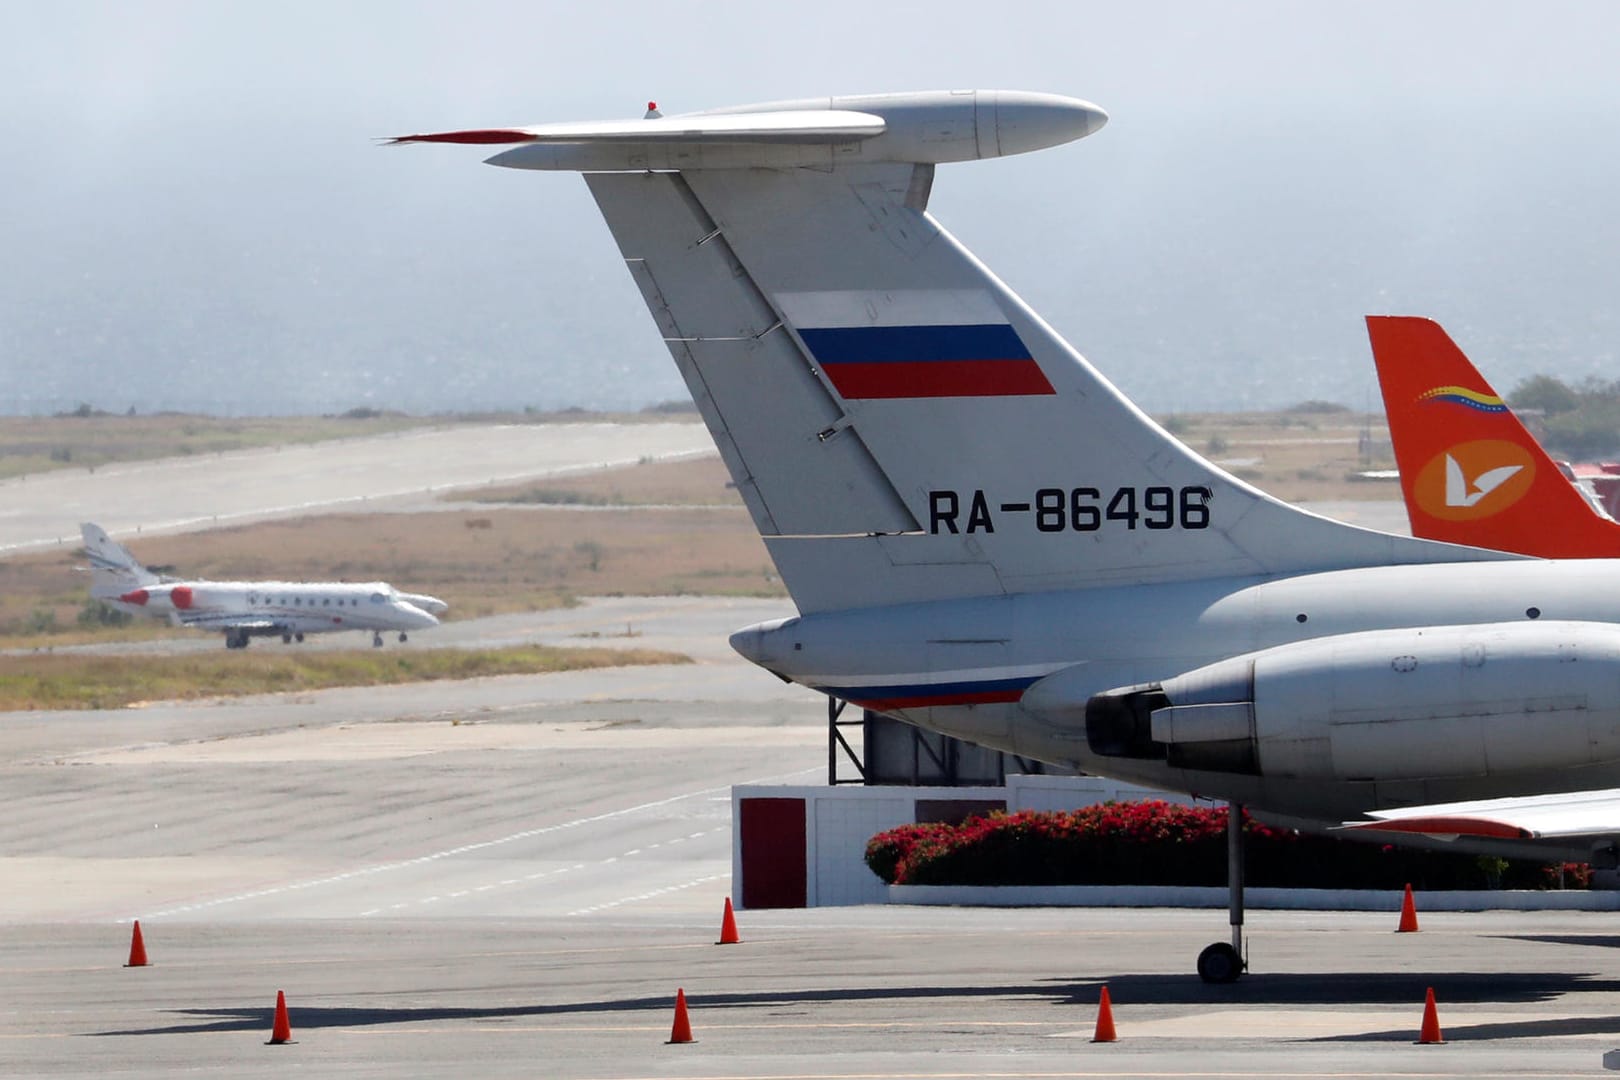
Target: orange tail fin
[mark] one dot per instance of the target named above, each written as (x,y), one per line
(1470,472)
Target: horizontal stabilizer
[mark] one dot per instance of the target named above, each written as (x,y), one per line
(794,126)
(923,128)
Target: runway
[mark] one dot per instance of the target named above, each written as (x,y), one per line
(201,492)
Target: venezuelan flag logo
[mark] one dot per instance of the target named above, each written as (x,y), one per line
(1461,395)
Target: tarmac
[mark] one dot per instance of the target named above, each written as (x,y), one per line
(514,876)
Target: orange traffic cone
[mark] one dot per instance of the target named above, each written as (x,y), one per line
(137,948)
(1430,1032)
(1105,1019)
(281,1030)
(1408,915)
(682,1031)
(728,927)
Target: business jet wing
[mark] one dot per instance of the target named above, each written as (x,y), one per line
(218,620)
(1532,817)
(1470,471)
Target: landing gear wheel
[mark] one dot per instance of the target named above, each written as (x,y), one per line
(300,638)
(1220,963)
(402,637)
(376,641)
(286,639)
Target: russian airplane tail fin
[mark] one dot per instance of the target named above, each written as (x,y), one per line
(900,424)
(113,570)
(1470,471)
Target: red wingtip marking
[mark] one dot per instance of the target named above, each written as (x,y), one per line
(1440,825)
(478,137)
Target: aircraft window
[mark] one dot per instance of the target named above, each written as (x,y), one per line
(299,600)
(326,602)
(1534,613)
(377,598)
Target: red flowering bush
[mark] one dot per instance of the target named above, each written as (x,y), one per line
(1160,843)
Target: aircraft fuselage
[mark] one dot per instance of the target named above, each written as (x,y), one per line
(1017,673)
(281,607)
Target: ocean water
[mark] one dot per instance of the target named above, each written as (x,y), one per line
(1195,274)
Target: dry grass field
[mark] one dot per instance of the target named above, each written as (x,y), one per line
(110,682)
(651,529)
(1299,455)
(699,482)
(35,444)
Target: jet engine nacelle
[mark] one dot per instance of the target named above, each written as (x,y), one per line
(160,599)
(1386,704)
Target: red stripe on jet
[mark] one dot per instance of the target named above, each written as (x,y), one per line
(923,701)
(938,378)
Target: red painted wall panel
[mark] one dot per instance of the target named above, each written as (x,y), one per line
(774,874)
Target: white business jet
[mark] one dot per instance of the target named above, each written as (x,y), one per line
(243,610)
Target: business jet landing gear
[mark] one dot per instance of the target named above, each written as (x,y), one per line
(403,638)
(1220,962)
(286,639)
(299,637)
(236,639)
(376,639)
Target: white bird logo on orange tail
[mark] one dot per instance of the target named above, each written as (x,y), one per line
(1458,491)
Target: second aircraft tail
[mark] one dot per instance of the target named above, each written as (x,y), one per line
(1470,471)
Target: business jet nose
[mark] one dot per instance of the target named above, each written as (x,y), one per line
(417,618)
(430,604)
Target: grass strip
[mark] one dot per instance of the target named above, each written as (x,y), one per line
(110,682)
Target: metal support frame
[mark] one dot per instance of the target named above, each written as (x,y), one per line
(893,752)
(837,742)
(1234,874)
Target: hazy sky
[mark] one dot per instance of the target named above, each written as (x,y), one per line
(197,215)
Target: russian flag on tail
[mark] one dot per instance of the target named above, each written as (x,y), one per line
(914,343)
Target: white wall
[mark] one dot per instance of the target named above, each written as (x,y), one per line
(840,820)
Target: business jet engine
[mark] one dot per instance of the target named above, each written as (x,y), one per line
(1437,701)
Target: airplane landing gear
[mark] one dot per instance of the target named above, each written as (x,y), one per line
(376,640)
(402,637)
(1220,962)
(286,639)
(300,638)
(236,639)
